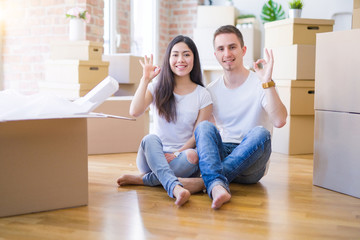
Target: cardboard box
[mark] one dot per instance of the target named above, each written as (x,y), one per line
(295,31)
(296,137)
(76,71)
(79,50)
(43,165)
(252,41)
(112,135)
(215,16)
(126,89)
(296,62)
(297,96)
(336,152)
(203,38)
(337,82)
(356,4)
(356,19)
(124,67)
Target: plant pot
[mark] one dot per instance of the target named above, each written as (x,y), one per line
(77,30)
(295,13)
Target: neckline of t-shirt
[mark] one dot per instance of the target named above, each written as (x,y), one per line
(178,95)
(242,85)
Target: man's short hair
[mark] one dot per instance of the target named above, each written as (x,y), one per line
(229,29)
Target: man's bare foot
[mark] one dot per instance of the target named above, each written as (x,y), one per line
(194,185)
(128,179)
(181,194)
(220,196)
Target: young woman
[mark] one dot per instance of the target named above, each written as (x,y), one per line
(179,102)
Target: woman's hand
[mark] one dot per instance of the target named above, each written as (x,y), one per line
(150,71)
(169,157)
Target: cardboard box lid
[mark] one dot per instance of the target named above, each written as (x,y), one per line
(300,21)
(89,115)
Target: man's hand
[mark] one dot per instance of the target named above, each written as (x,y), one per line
(265,71)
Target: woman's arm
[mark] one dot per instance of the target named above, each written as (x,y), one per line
(142,97)
(204,114)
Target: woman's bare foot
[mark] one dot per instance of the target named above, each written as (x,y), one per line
(220,196)
(128,179)
(181,194)
(194,185)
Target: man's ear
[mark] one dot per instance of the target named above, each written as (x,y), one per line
(244,48)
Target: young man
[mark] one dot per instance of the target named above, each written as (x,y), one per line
(245,108)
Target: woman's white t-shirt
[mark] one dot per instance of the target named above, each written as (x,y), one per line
(175,135)
(237,111)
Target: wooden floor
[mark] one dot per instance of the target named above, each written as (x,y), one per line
(284,205)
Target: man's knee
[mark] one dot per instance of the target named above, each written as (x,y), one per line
(204,126)
(192,156)
(261,133)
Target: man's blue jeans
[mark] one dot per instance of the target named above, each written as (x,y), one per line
(221,163)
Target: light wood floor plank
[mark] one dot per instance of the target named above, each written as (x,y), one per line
(284,205)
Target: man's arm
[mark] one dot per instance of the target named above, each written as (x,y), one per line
(275,108)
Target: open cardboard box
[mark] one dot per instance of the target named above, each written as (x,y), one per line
(43,159)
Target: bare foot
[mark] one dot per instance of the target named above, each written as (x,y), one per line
(128,179)
(220,196)
(194,185)
(181,194)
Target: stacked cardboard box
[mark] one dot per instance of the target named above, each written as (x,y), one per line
(356,15)
(114,136)
(293,44)
(74,69)
(206,24)
(337,112)
(126,69)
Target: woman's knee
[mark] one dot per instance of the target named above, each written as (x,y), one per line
(149,140)
(192,156)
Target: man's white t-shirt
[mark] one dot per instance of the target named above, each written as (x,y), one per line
(237,111)
(175,135)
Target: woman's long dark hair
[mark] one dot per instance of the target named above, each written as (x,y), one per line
(164,92)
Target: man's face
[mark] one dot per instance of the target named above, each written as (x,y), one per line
(228,51)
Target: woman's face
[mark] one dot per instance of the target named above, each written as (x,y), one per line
(181,59)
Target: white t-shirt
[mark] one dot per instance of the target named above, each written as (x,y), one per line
(237,111)
(175,135)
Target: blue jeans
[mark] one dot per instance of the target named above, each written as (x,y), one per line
(221,163)
(151,161)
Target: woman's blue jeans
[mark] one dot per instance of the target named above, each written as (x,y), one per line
(221,163)
(151,161)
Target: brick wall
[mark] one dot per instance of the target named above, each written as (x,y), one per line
(176,17)
(123,25)
(29,28)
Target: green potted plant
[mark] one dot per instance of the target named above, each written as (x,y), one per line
(272,11)
(295,8)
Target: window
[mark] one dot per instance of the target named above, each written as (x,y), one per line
(143,27)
